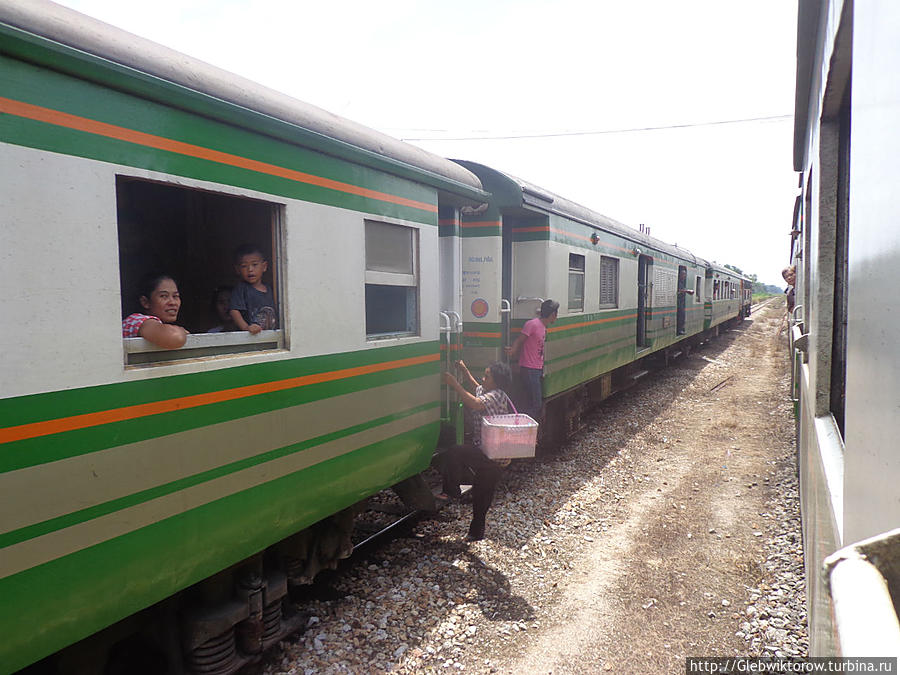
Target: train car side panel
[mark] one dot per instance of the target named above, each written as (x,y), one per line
(842,338)
(123,480)
(872,504)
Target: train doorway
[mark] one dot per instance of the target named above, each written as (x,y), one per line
(680,301)
(645,264)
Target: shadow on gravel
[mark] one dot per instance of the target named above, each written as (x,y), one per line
(478,583)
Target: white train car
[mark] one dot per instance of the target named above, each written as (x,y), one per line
(845,347)
(141,489)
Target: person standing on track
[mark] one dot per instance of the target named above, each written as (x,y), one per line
(529,348)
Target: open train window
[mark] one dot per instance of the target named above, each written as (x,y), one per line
(192,235)
(576,282)
(609,282)
(697,293)
(392,281)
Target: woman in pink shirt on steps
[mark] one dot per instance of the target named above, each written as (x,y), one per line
(529,347)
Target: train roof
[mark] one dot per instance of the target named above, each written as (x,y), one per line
(98,43)
(515,193)
(716,267)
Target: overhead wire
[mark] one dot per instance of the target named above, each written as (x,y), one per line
(600,132)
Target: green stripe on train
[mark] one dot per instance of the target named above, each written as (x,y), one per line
(50,606)
(69,519)
(40,407)
(611,319)
(565,231)
(611,343)
(474,232)
(37,86)
(561,380)
(56,56)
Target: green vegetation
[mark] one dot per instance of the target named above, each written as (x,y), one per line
(760,290)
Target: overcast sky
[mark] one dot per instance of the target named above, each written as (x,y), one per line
(590,82)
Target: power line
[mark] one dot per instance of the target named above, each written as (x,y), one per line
(606,131)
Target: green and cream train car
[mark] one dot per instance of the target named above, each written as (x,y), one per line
(624,295)
(724,293)
(129,475)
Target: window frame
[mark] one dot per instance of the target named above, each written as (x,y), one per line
(614,304)
(576,273)
(139,352)
(411,280)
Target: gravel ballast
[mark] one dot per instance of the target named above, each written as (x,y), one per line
(668,527)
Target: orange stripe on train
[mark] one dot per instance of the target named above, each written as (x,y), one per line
(90,126)
(47,427)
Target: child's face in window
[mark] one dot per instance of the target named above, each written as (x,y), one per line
(251,267)
(164,302)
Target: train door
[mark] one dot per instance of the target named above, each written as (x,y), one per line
(645,264)
(680,295)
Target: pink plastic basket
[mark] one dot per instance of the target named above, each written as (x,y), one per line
(508,436)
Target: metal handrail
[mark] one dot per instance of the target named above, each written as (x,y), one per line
(446,329)
(451,324)
(457,320)
(859,577)
(449,327)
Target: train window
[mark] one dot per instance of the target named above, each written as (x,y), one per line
(192,234)
(576,282)
(392,286)
(697,293)
(609,282)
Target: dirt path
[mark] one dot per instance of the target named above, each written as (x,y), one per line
(670,575)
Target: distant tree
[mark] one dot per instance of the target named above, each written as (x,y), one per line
(734,269)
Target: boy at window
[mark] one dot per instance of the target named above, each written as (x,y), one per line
(252,303)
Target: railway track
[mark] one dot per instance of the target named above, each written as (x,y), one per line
(761,305)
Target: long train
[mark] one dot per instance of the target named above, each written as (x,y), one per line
(845,352)
(161,503)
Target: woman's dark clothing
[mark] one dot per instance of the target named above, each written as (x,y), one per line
(467,464)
